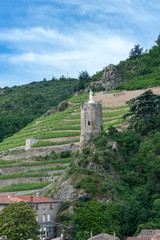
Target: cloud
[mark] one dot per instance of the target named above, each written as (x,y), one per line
(55,37)
(86,51)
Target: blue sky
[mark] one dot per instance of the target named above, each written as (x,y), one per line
(50,38)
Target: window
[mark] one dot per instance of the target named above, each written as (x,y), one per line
(89,123)
(37,207)
(44,206)
(51,206)
(44,217)
(37,218)
(48,217)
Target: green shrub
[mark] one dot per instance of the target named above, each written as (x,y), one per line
(89,184)
(105,187)
(65,154)
(65,205)
(54,155)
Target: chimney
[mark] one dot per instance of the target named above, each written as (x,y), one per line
(37,195)
(31,202)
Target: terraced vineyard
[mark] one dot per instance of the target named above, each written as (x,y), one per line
(31,174)
(59,129)
(63,127)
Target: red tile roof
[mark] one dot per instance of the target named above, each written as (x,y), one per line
(138,238)
(104,236)
(12,198)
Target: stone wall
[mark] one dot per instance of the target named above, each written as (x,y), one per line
(5,171)
(8,182)
(43,151)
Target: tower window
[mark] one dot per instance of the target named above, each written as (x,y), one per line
(89,123)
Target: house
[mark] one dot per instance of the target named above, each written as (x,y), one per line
(46,209)
(147,235)
(104,236)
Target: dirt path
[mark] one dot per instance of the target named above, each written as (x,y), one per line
(120,98)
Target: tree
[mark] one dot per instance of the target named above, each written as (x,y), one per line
(158,40)
(144,109)
(136,52)
(134,215)
(83,78)
(17,222)
(98,217)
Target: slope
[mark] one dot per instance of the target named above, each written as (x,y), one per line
(19,105)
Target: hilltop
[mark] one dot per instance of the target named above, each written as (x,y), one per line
(20,105)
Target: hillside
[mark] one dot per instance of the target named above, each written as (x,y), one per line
(63,127)
(136,72)
(117,181)
(20,105)
(113,186)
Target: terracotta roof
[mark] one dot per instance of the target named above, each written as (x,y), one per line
(138,238)
(37,199)
(149,233)
(9,199)
(104,236)
(26,198)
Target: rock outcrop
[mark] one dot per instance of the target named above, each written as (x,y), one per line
(110,78)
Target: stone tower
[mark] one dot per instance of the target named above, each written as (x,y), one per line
(91,120)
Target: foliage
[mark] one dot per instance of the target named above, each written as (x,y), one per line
(65,154)
(22,104)
(158,40)
(141,72)
(83,79)
(82,235)
(136,52)
(24,186)
(17,222)
(98,217)
(144,110)
(89,184)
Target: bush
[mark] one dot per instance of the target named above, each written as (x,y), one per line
(89,184)
(54,155)
(105,187)
(65,154)
(65,205)
(87,151)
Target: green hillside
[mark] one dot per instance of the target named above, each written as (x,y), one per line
(20,105)
(142,71)
(63,127)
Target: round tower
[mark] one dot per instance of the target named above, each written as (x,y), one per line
(91,120)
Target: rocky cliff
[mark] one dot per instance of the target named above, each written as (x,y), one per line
(110,78)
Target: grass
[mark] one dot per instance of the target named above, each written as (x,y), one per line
(44,169)
(36,163)
(24,186)
(119,121)
(50,143)
(24,175)
(60,134)
(114,108)
(115,113)
(58,125)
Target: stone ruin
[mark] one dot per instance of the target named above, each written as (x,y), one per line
(91,120)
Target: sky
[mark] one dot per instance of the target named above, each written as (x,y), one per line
(50,38)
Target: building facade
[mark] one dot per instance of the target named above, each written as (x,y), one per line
(46,210)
